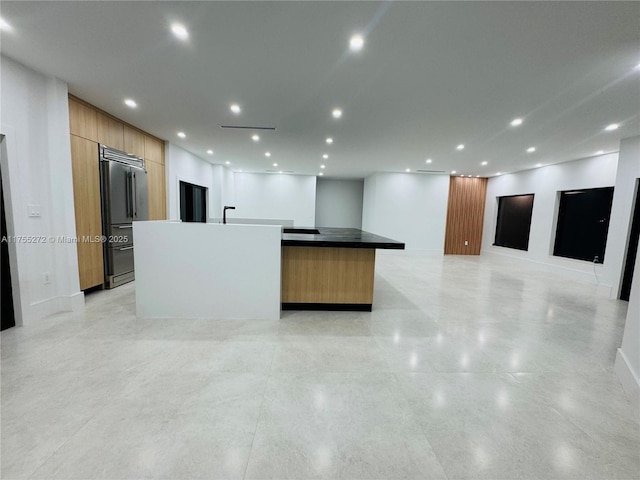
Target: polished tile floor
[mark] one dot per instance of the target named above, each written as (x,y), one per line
(468,367)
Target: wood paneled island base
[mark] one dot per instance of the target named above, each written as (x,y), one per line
(327,278)
(329,268)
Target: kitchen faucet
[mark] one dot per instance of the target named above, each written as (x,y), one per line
(224,213)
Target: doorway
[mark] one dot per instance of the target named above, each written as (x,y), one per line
(193,202)
(632,248)
(7,314)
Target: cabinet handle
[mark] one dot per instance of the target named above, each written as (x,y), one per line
(126,248)
(126,226)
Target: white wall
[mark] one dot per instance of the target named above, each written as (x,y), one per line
(279,196)
(627,364)
(410,208)
(185,166)
(622,212)
(545,183)
(339,203)
(36,163)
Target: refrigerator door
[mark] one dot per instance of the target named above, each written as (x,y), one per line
(140,194)
(119,198)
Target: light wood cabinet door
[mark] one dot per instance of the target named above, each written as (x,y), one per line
(110,132)
(157,191)
(133,141)
(83,121)
(153,150)
(86,193)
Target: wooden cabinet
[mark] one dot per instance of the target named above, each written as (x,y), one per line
(133,141)
(157,191)
(83,120)
(153,149)
(110,132)
(89,127)
(86,193)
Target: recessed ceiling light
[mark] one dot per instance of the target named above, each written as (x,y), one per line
(325,156)
(130,103)
(275,164)
(182,135)
(453,171)
(210,152)
(267,154)
(612,127)
(477,176)
(280,171)
(337,113)
(484,163)
(227,162)
(240,170)
(329,140)
(516,122)
(538,164)
(235,108)
(460,147)
(429,160)
(407,169)
(4,26)
(356,43)
(498,173)
(321,174)
(322,166)
(179,31)
(531,149)
(599,152)
(255,137)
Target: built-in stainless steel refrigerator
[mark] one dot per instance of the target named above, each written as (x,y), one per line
(123,186)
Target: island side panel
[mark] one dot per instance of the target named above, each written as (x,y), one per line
(328,275)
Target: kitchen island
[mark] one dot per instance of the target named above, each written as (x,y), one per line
(241,272)
(330,268)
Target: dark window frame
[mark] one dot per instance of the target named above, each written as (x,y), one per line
(517,239)
(568,226)
(190,208)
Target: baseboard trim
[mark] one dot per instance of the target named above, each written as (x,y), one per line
(628,378)
(582,275)
(338,307)
(64,303)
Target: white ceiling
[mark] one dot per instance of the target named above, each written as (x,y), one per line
(432,75)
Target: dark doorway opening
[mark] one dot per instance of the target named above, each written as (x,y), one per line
(193,203)
(583,224)
(632,248)
(8,316)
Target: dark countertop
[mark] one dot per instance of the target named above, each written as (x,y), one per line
(338,237)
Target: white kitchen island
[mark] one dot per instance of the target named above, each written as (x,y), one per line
(207,270)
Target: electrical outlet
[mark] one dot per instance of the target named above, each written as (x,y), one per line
(466,243)
(34,210)
(46,277)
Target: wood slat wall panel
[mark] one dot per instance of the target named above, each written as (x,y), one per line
(465,215)
(327,275)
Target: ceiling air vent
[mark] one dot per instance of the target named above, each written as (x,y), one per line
(279,171)
(430,171)
(245,127)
